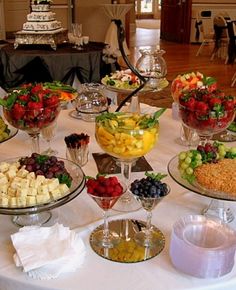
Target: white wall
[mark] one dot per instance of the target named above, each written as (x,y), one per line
(91,15)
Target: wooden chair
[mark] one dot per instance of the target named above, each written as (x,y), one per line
(208,37)
(221,38)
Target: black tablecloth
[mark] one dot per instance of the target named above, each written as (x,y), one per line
(33,63)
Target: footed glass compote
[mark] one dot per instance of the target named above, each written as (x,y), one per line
(33,122)
(127,136)
(149,192)
(105,199)
(31,108)
(205,120)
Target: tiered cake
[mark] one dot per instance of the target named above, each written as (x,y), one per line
(41,26)
(41,19)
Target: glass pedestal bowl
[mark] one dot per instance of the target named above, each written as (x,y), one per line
(40,213)
(217,207)
(32,121)
(206,122)
(126,136)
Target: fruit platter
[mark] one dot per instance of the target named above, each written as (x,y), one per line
(208,170)
(31,185)
(6,131)
(125,81)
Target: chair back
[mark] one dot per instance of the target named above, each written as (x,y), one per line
(220,27)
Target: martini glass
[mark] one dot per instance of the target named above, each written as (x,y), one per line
(33,122)
(126,137)
(206,125)
(149,237)
(105,238)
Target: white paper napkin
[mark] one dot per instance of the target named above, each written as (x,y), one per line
(47,252)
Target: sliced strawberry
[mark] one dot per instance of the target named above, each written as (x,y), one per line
(18,111)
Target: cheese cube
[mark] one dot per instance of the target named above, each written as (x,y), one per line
(11,191)
(12,202)
(40,179)
(11,174)
(22,192)
(4,201)
(32,191)
(16,182)
(43,189)
(63,188)
(21,201)
(4,166)
(56,193)
(22,172)
(30,175)
(25,183)
(30,200)
(3,180)
(52,184)
(4,188)
(42,198)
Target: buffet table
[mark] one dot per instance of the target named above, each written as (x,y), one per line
(34,63)
(83,215)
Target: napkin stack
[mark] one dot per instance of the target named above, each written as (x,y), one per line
(46,252)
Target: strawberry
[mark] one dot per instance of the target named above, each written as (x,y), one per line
(201,107)
(23,99)
(34,109)
(214,101)
(189,103)
(229,105)
(18,111)
(51,101)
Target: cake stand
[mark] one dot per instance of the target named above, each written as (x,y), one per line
(217,206)
(41,38)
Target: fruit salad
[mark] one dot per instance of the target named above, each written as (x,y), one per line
(127,135)
(191,81)
(207,112)
(31,107)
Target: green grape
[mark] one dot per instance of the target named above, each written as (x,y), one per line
(183,165)
(189,171)
(187,160)
(182,155)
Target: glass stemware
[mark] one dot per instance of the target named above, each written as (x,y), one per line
(125,138)
(77,33)
(48,133)
(206,123)
(148,237)
(33,121)
(105,238)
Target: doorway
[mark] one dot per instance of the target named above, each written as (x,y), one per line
(147,9)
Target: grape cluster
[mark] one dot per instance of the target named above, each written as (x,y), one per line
(208,152)
(48,166)
(150,186)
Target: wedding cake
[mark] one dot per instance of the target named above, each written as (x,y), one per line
(41,27)
(41,19)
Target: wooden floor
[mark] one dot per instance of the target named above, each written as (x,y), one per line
(180,58)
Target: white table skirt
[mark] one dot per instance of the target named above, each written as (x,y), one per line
(84,215)
(115,11)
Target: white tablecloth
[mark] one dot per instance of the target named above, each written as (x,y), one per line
(115,11)
(84,215)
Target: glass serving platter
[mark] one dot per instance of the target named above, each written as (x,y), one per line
(195,187)
(13,132)
(119,88)
(40,213)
